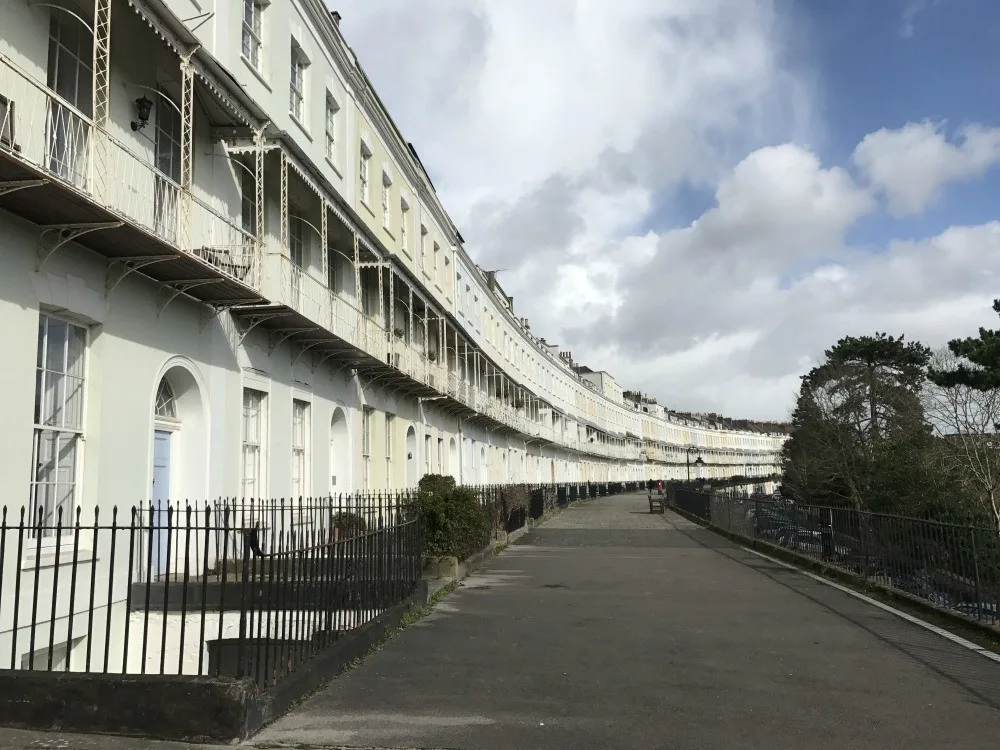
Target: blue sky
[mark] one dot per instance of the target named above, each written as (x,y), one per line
(884,63)
(873,75)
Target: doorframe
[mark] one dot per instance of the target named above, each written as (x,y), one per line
(167,427)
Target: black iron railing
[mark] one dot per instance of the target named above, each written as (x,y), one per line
(951,565)
(234,588)
(238,589)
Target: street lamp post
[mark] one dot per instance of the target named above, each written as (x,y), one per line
(697,462)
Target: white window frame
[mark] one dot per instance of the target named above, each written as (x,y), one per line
(300,448)
(363,173)
(254,446)
(332,108)
(252,40)
(297,250)
(67,134)
(422,247)
(297,83)
(366,445)
(386,212)
(404,235)
(248,200)
(56,424)
(390,422)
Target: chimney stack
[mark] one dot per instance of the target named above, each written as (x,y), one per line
(335,15)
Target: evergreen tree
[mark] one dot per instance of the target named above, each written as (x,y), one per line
(858,419)
(980,368)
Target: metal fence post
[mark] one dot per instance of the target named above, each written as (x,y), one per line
(975,567)
(242,649)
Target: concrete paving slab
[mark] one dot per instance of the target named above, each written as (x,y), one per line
(17,739)
(610,627)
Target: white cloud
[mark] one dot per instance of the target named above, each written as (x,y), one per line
(907,25)
(555,131)
(910,165)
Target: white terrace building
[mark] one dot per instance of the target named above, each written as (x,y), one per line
(224,272)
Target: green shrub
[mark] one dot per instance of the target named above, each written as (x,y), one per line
(515,498)
(349,523)
(454,521)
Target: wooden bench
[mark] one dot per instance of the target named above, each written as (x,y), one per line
(659,502)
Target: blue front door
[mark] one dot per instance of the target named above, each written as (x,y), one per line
(161,498)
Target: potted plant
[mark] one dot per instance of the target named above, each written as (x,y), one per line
(398,332)
(432,356)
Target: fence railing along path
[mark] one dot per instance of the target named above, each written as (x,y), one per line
(234,588)
(953,566)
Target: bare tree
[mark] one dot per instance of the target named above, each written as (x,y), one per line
(967,421)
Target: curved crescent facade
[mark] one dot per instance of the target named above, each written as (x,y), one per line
(224,272)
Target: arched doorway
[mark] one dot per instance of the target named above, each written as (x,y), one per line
(411,457)
(453,459)
(340,453)
(179,457)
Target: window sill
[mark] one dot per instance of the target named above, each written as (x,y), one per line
(257,74)
(302,127)
(388,231)
(334,167)
(35,559)
(364,203)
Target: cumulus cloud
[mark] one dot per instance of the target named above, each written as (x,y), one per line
(911,165)
(561,133)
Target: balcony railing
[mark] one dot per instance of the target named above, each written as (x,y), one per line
(290,285)
(42,129)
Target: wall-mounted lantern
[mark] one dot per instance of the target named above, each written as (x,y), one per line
(143,107)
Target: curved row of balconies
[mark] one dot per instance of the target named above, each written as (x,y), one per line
(83,182)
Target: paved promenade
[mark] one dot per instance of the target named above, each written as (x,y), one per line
(610,628)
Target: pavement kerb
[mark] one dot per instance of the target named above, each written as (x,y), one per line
(980,634)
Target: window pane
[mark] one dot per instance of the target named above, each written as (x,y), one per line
(73,412)
(75,351)
(52,399)
(84,89)
(42,322)
(43,499)
(66,459)
(39,384)
(55,353)
(45,449)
